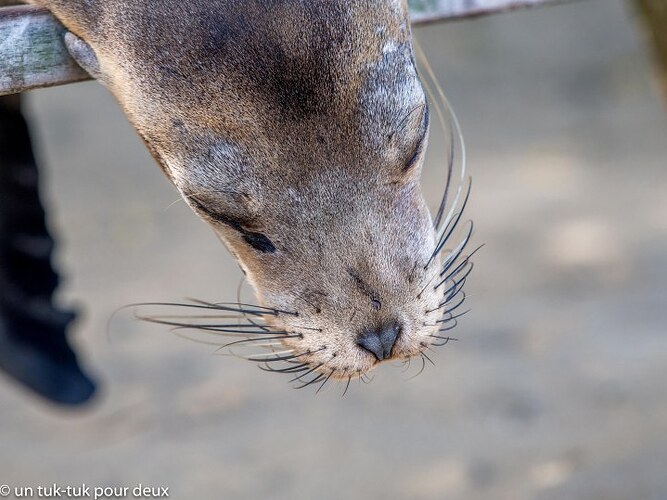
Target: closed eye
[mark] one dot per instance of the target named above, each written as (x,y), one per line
(255,239)
(419,147)
(415,156)
(259,242)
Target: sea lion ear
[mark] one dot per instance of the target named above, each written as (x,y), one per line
(84,55)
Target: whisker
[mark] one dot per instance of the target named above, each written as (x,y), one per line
(466,267)
(459,267)
(203,316)
(207,306)
(448,328)
(198,341)
(454,289)
(290,369)
(458,304)
(347,386)
(285,358)
(447,302)
(420,370)
(261,339)
(450,170)
(270,357)
(238,303)
(312,381)
(454,317)
(325,381)
(443,340)
(215,328)
(455,127)
(425,286)
(300,377)
(221,326)
(271,310)
(444,303)
(456,252)
(253,322)
(449,229)
(234,354)
(441,116)
(424,355)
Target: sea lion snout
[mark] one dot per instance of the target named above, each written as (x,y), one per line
(379,341)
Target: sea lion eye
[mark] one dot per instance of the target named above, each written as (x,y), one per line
(259,242)
(418,147)
(256,240)
(415,156)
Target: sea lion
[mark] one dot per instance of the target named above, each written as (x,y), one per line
(297,130)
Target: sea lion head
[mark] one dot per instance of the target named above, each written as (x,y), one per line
(297,130)
(318,197)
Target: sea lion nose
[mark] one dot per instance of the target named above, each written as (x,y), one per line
(379,341)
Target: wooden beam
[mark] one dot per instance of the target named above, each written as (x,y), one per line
(430,11)
(32,52)
(33,55)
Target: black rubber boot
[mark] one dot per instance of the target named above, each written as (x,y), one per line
(33,344)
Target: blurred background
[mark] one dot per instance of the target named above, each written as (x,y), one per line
(557,388)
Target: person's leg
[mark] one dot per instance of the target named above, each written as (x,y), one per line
(33,345)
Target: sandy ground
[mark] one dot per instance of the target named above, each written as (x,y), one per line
(557,389)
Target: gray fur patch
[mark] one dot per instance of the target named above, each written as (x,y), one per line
(83,54)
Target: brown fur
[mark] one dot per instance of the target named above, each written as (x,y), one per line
(296,129)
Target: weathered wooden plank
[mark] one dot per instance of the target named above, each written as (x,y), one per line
(429,11)
(32,53)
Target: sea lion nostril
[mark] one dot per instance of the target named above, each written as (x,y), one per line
(379,341)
